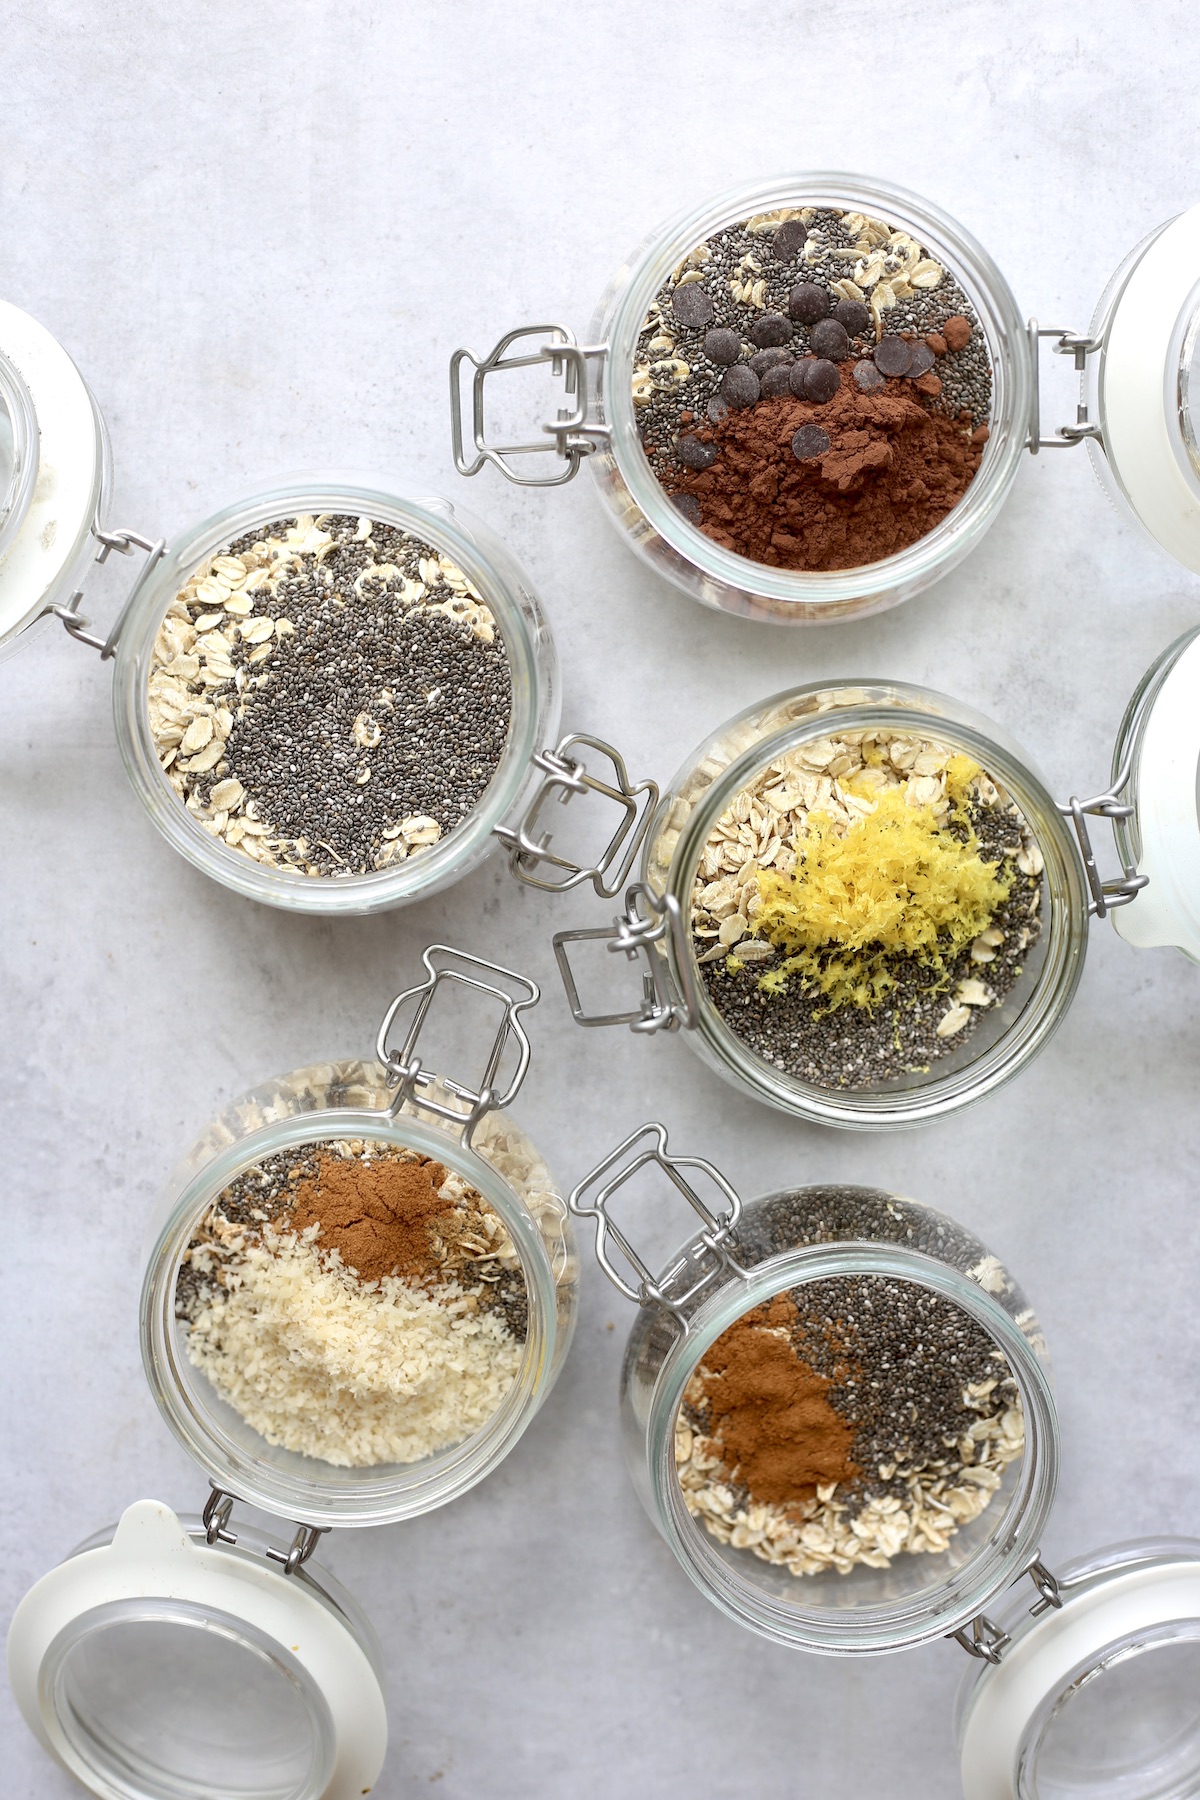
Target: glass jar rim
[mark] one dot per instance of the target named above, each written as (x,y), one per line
(473,546)
(401,1493)
(653,262)
(1066,930)
(897,1625)
(17,405)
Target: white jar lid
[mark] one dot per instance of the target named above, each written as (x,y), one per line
(1167,798)
(51,524)
(1150,406)
(1099,1696)
(158,1665)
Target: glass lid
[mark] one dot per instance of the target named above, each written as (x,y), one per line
(155,1666)
(1163,836)
(1096,1691)
(18,452)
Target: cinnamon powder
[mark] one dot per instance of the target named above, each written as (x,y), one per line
(379,1215)
(893,470)
(768,1414)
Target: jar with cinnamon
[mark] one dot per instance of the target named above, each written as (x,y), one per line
(836,1409)
(806,399)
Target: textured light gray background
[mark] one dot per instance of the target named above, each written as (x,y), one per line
(260,231)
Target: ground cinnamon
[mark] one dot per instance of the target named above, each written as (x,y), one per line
(379,1214)
(892,471)
(768,1413)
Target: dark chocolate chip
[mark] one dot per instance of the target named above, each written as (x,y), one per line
(853,315)
(893,355)
(829,339)
(868,377)
(789,240)
(772,328)
(799,377)
(808,442)
(695,455)
(821,380)
(774,358)
(717,409)
(923,360)
(691,305)
(722,346)
(808,302)
(689,506)
(777,381)
(739,386)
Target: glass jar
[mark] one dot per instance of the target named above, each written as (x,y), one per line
(1084,1683)
(1126,403)
(655,924)
(279,1695)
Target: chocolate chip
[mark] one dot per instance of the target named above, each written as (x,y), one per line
(808,442)
(717,409)
(829,339)
(789,240)
(821,381)
(777,381)
(691,305)
(772,328)
(893,355)
(853,315)
(799,377)
(808,302)
(923,359)
(774,358)
(868,377)
(688,505)
(739,386)
(722,346)
(695,455)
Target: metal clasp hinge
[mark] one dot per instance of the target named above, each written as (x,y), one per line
(574,437)
(626,1160)
(1069,344)
(1105,894)
(986,1640)
(124,542)
(403,1066)
(567,776)
(637,933)
(215,1519)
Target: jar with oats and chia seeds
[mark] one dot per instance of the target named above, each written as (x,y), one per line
(863,906)
(733,464)
(835,1408)
(360,1290)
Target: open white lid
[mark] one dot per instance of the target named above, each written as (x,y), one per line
(52,470)
(156,1666)
(1099,1697)
(1167,800)
(1150,403)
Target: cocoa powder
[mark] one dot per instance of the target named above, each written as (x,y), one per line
(378,1215)
(893,470)
(768,1414)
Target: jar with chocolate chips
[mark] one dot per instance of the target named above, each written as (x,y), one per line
(862,905)
(359,1291)
(807,399)
(836,1410)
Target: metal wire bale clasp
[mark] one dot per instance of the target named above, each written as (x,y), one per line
(215,1519)
(711,1257)
(566,776)
(1068,343)
(1105,894)
(639,933)
(124,543)
(573,436)
(404,1070)
(984,1638)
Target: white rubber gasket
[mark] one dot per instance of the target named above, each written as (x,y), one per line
(66,496)
(1038,1666)
(1139,427)
(1167,910)
(152,1557)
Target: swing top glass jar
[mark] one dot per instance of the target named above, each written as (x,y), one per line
(1136,408)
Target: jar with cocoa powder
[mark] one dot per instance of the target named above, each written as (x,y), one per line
(863,906)
(360,1290)
(835,1408)
(807,399)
